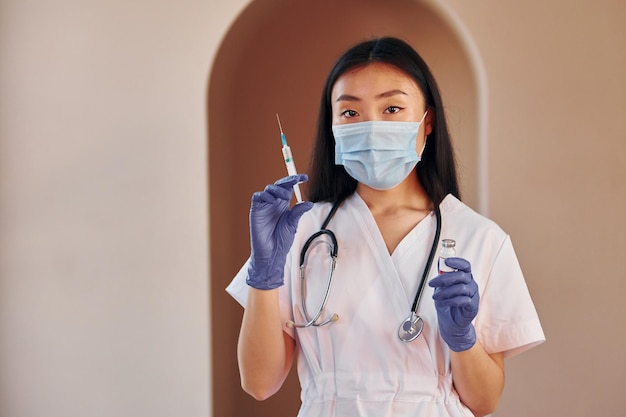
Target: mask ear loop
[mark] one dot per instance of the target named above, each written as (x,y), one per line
(423,147)
(425,138)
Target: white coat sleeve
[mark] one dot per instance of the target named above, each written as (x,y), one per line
(507,320)
(238,289)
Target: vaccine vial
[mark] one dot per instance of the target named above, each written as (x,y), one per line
(448,250)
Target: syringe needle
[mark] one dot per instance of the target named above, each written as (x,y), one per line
(279,125)
(282,135)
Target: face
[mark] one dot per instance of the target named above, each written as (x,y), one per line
(379,92)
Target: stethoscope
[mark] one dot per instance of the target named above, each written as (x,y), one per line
(409,329)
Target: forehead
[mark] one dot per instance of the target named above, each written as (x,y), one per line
(372,80)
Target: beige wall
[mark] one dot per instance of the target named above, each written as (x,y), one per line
(557,134)
(103,206)
(103,201)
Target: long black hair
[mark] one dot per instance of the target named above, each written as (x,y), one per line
(437,169)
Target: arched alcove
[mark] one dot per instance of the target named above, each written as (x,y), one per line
(274,59)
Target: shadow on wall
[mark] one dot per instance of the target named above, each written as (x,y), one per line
(274,59)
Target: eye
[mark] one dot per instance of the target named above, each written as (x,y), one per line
(392,109)
(349,113)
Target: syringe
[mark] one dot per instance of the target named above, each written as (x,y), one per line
(291,166)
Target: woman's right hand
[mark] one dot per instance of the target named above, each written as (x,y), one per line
(272,229)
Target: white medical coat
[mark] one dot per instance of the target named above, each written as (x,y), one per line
(357,366)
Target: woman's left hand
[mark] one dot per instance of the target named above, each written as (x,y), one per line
(456,300)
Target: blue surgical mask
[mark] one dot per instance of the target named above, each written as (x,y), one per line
(379,154)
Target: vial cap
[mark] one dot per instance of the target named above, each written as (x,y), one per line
(448,243)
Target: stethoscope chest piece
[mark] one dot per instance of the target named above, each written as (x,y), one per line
(411,328)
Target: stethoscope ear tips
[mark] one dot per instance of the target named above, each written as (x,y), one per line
(290,324)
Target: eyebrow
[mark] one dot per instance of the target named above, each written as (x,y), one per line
(347,97)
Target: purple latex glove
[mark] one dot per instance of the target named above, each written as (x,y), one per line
(272,229)
(456,300)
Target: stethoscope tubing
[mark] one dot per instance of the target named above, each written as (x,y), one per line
(334,248)
(429,263)
(313,321)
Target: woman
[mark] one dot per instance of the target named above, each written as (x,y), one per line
(383,179)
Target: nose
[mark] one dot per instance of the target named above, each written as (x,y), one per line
(371,116)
